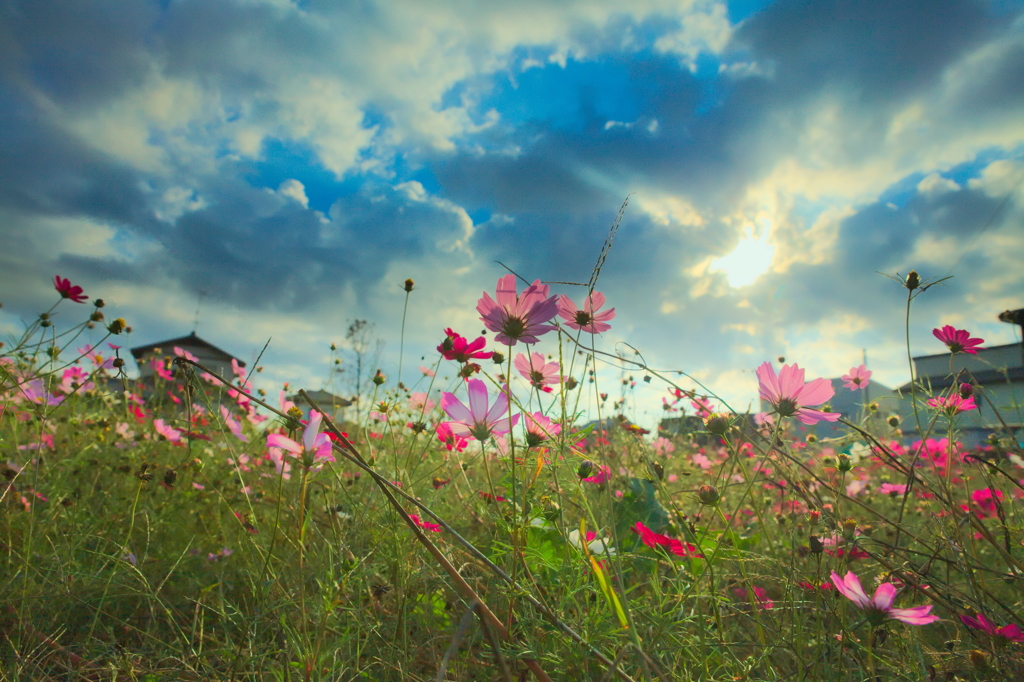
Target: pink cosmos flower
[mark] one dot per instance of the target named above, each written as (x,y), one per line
(703,407)
(455,347)
(602,474)
(540,429)
(1011,632)
(518,318)
(477,420)
(425,525)
(760,596)
(587,319)
(170,433)
(37,393)
(66,290)
(652,539)
(880,606)
(234,426)
(893,489)
(450,440)
(663,446)
(857,378)
(420,403)
(958,340)
(953,404)
(315,447)
(541,375)
(427,372)
(75,378)
(790,396)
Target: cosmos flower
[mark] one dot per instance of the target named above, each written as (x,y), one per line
(518,318)
(540,429)
(790,396)
(958,340)
(478,420)
(879,607)
(1011,632)
(450,440)
(456,347)
(540,374)
(652,539)
(67,290)
(425,525)
(857,378)
(953,404)
(587,319)
(315,447)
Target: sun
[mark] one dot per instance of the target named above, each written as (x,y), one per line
(749,260)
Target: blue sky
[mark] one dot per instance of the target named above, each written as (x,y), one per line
(291,163)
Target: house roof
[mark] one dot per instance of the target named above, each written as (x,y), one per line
(190,340)
(322,398)
(986,348)
(983,378)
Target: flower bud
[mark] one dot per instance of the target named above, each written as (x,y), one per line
(118,363)
(659,470)
(497,358)
(912,281)
(849,528)
(99,303)
(379,378)
(585,468)
(811,438)
(96,316)
(813,517)
(570,383)
(717,423)
(708,495)
(845,463)
(53,352)
(294,412)
(815,544)
(966,391)
(117,326)
(334,347)
(894,420)
(408,285)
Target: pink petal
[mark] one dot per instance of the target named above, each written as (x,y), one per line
(885,595)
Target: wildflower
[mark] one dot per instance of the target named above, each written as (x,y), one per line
(703,407)
(893,489)
(477,420)
(1011,632)
(857,378)
(170,433)
(879,607)
(790,396)
(455,347)
(518,318)
(604,473)
(315,447)
(588,319)
(66,290)
(594,544)
(541,375)
(652,539)
(759,594)
(450,440)
(958,340)
(540,429)
(234,426)
(425,525)
(953,404)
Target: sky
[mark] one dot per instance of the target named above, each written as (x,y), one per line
(282,166)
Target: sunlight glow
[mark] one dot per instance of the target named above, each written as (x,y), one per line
(749,260)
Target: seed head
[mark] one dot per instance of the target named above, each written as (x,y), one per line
(117,326)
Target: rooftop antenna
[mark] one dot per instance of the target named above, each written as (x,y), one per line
(1015,317)
(199,305)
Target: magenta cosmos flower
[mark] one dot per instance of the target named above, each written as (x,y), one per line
(879,607)
(790,396)
(958,340)
(1011,632)
(66,290)
(858,378)
(478,420)
(456,347)
(587,319)
(953,404)
(518,318)
(315,447)
(540,374)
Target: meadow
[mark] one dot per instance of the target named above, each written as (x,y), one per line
(471,524)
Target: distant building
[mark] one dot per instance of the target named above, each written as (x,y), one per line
(331,404)
(207,354)
(997,374)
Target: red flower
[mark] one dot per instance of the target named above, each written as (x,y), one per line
(66,290)
(652,539)
(456,347)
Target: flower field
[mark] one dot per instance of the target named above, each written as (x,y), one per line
(473,524)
